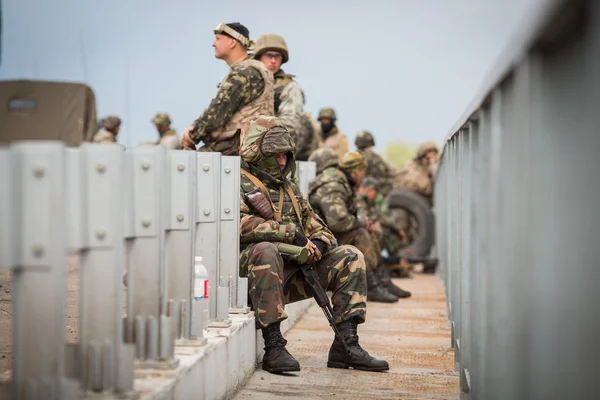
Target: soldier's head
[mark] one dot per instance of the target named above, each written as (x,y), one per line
(368,188)
(272,51)
(427,153)
(354,164)
(267,144)
(162,122)
(324,158)
(327,119)
(111,123)
(231,42)
(364,139)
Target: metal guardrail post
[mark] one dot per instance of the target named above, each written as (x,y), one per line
(180,247)
(34,189)
(95,223)
(148,325)
(208,233)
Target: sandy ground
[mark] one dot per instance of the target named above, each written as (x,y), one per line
(413,335)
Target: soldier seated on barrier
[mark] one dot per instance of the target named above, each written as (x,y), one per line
(274,210)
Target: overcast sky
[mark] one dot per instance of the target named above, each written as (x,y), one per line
(404,69)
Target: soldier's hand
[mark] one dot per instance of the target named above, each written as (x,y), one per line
(314,254)
(186,141)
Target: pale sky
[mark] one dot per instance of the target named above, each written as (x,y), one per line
(403,69)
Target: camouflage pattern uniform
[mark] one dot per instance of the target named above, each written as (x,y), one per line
(169,138)
(376,165)
(335,138)
(108,134)
(308,139)
(246,92)
(324,158)
(341,269)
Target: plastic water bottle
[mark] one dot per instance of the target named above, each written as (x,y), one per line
(200,280)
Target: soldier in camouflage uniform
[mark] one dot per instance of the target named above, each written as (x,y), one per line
(110,129)
(167,137)
(324,158)
(272,51)
(308,140)
(377,168)
(274,210)
(417,174)
(245,93)
(331,136)
(333,195)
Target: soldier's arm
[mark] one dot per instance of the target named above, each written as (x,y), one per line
(243,86)
(254,229)
(315,228)
(291,108)
(331,203)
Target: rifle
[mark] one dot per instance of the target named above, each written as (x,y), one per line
(300,255)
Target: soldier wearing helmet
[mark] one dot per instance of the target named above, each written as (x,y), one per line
(245,93)
(331,136)
(324,158)
(272,50)
(333,195)
(377,168)
(417,175)
(110,126)
(167,137)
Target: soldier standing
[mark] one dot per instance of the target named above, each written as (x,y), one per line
(333,196)
(246,92)
(272,50)
(110,129)
(331,136)
(308,140)
(377,168)
(274,210)
(167,137)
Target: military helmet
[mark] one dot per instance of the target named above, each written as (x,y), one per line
(425,148)
(273,42)
(353,160)
(111,122)
(364,139)
(327,112)
(162,119)
(324,157)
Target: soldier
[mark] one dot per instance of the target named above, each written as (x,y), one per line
(274,210)
(246,92)
(324,158)
(308,140)
(110,129)
(167,137)
(330,134)
(271,50)
(417,175)
(333,195)
(377,168)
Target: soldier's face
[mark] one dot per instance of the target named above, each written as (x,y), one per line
(272,60)
(358,175)
(368,192)
(281,161)
(223,45)
(431,157)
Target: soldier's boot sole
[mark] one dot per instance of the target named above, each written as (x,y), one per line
(342,365)
(280,370)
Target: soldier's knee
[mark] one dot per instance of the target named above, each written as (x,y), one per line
(352,255)
(266,249)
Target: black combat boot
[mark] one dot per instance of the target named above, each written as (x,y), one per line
(376,292)
(386,281)
(276,358)
(355,356)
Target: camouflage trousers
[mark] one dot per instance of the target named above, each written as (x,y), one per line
(365,242)
(227,147)
(341,271)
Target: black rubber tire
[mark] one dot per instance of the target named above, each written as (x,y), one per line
(419,207)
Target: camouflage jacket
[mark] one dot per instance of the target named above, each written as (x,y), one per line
(254,228)
(378,169)
(243,85)
(335,140)
(416,177)
(307,140)
(170,140)
(289,102)
(104,136)
(372,210)
(334,200)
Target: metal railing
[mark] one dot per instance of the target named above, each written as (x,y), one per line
(136,217)
(516,203)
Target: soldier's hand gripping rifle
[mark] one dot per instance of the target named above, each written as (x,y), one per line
(300,255)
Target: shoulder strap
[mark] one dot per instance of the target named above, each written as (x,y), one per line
(261,186)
